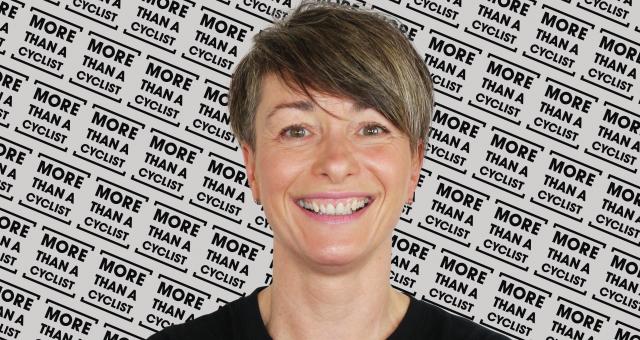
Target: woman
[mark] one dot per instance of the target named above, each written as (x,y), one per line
(332,108)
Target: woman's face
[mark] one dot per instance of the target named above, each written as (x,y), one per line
(342,158)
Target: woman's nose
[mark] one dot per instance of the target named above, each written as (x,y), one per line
(335,158)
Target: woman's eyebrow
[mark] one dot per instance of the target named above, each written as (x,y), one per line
(305,105)
(302,105)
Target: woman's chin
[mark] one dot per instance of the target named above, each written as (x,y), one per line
(334,256)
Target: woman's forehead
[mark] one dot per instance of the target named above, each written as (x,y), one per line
(277,96)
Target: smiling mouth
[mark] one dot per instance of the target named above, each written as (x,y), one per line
(334,208)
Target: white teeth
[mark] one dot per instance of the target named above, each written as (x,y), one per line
(339,209)
(330,209)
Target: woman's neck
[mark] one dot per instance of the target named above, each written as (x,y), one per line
(354,304)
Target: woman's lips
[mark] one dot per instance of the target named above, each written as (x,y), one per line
(335,219)
(333,198)
(334,195)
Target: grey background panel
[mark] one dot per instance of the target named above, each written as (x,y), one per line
(124,205)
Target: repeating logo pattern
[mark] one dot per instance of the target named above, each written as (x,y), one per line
(125,206)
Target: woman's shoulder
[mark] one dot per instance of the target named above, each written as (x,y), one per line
(429,321)
(238,319)
(214,325)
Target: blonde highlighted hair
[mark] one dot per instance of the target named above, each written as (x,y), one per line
(341,51)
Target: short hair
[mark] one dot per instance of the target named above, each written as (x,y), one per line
(341,51)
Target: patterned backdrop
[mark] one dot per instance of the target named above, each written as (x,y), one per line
(124,202)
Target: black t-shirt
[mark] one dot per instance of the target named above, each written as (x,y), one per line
(241,319)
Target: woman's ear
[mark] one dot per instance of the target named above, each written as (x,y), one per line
(248,155)
(416,165)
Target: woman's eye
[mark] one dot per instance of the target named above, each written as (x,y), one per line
(375,129)
(299,131)
(296,131)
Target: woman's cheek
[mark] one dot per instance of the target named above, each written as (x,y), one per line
(383,156)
